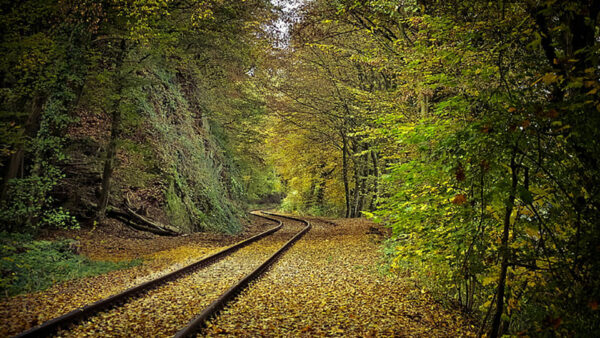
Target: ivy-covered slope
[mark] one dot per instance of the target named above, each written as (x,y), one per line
(170,165)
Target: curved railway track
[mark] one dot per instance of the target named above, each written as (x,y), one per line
(189,276)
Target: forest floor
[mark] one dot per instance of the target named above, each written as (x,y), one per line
(328,283)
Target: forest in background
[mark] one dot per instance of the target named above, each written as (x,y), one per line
(470,128)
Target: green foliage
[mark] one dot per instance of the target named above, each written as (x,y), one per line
(142,168)
(488,174)
(30,204)
(177,211)
(43,70)
(179,133)
(196,197)
(28,196)
(450,192)
(175,81)
(28,265)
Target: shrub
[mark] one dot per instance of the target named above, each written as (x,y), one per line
(28,265)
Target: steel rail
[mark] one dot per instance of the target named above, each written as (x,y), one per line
(53,325)
(215,307)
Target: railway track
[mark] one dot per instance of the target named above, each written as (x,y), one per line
(182,301)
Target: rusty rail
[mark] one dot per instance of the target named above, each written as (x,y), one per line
(213,309)
(78,314)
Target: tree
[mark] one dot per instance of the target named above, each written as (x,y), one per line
(485,118)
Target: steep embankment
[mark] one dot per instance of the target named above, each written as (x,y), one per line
(171,166)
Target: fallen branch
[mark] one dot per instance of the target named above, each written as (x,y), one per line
(153,225)
(147,222)
(123,217)
(138,222)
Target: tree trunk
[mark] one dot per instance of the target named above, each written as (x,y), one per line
(311,200)
(111,151)
(373,203)
(357,185)
(424,101)
(345,173)
(505,253)
(320,194)
(363,191)
(109,163)
(361,196)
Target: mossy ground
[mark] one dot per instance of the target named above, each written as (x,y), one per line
(29,265)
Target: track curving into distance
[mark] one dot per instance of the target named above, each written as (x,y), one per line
(110,316)
(198,323)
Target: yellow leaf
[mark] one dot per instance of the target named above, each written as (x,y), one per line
(488,280)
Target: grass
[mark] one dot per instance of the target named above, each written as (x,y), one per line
(27,265)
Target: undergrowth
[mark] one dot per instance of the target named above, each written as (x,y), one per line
(28,265)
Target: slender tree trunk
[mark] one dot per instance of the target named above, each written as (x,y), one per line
(109,163)
(375,197)
(424,98)
(363,191)
(320,194)
(15,162)
(311,200)
(361,196)
(357,187)
(345,173)
(505,251)
(111,151)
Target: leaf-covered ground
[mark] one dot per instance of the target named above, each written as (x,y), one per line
(328,284)
(112,242)
(166,309)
